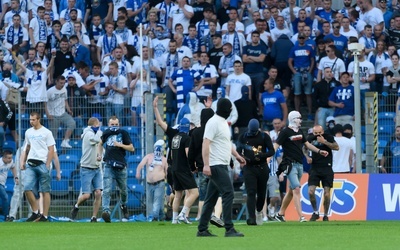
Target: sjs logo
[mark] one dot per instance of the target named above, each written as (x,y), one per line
(342,198)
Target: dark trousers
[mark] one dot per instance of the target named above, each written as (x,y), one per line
(255,179)
(257,80)
(219,183)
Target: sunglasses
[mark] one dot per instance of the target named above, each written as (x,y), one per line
(336,27)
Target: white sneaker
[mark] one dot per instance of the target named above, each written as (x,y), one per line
(265,219)
(175,222)
(182,218)
(303,219)
(65,144)
(259,218)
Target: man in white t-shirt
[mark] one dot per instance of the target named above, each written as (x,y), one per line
(37,155)
(180,13)
(58,111)
(235,82)
(331,61)
(233,16)
(342,158)
(38,28)
(15,9)
(108,42)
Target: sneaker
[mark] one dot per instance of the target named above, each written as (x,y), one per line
(182,218)
(265,219)
(125,212)
(325,218)
(175,222)
(259,218)
(33,217)
(65,144)
(93,219)
(10,219)
(74,212)
(251,222)
(303,219)
(314,217)
(280,218)
(217,221)
(106,216)
(205,233)
(233,233)
(41,219)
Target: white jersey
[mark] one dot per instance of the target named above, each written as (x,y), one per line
(39,140)
(236,82)
(4,168)
(336,64)
(177,15)
(372,17)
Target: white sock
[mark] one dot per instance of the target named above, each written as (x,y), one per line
(184,211)
(174,215)
(76,205)
(35,212)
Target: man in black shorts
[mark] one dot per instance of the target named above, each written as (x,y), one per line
(321,169)
(182,176)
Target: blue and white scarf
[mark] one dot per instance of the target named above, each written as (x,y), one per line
(355,24)
(42,30)
(11,35)
(173,67)
(66,15)
(369,43)
(163,17)
(124,33)
(51,14)
(228,61)
(37,76)
(109,46)
(271,23)
(205,73)
(97,32)
(111,93)
(236,42)
(201,27)
(192,43)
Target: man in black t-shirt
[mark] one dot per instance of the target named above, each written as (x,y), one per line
(292,140)
(321,169)
(117,142)
(181,173)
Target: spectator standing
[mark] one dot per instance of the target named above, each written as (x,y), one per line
(343,157)
(180,13)
(246,110)
(235,82)
(226,63)
(6,164)
(116,141)
(91,173)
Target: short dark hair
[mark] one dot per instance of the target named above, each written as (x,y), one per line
(56,22)
(123,10)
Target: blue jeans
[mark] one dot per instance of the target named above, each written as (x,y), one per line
(4,200)
(120,177)
(155,197)
(299,84)
(91,178)
(202,182)
(295,174)
(322,114)
(34,174)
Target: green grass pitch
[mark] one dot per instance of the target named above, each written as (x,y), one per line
(377,235)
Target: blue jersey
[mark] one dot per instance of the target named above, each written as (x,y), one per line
(346,96)
(339,41)
(301,56)
(256,51)
(328,16)
(272,105)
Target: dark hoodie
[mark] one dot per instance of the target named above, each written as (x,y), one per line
(281,48)
(195,157)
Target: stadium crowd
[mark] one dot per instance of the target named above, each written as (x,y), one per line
(71,59)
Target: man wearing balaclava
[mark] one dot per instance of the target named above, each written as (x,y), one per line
(117,141)
(196,159)
(292,139)
(256,147)
(216,151)
(247,110)
(183,179)
(156,172)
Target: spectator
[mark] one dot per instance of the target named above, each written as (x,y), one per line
(58,112)
(209,74)
(367,40)
(226,63)
(95,31)
(235,82)
(223,12)
(235,38)
(156,172)
(321,93)
(246,109)
(332,61)
(280,29)
(17,34)
(5,116)
(339,40)
(389,162)
(191,40)
(236,25)
(6,164)
(233,116)
(64,58)
(90,163)
(180,13)
(273,104)
(55,37)
(342,99)
(324,14)
(108,42)
(117,141)
(16,8)
(79,51)
(151,66)
(65,10)
(38,28)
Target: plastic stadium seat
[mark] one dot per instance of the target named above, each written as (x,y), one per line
(133,131)
(10,145)
(76,143)
(61,187)
(68,162)
(386,115)
(135,196)
(381,146)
